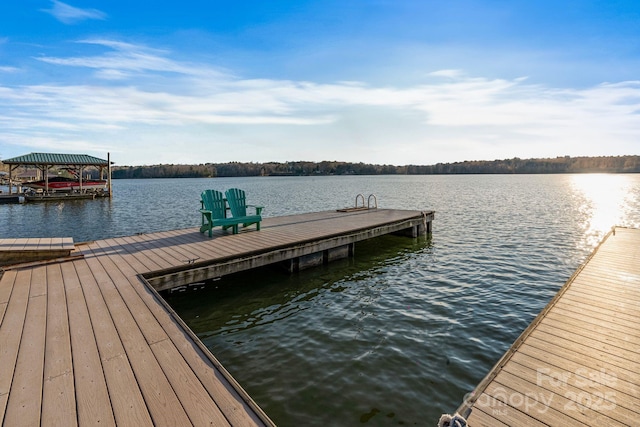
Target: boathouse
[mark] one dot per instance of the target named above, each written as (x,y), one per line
(44,162)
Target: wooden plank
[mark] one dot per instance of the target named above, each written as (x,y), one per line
(479,418)
(616,319)
(58,402)
(582,399)
(6,244)
(200,407)
(585,325)
(579,334)
(148,256)
(128,250)
(56,243)
(58,393)
(137,265)
(92,397)
(209,370)
(19,244)
(32,243)
(586,346)
(575,299)
(127,401)
(167,247)
(109,344)
(25,400)
(3,308)
(146,323)
(163,404)
(38,282)
(6,286)
(504,405)
(145,320)
(11,334)
(67,243)
(609,291)
(558,357)
(146,246)
(233,405)
(560,407)
(128,404)
(183,250)
(603,389)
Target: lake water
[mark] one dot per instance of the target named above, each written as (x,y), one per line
(398,334)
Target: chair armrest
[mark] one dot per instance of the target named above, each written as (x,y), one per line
(258,209)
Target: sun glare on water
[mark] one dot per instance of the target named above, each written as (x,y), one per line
(606,199)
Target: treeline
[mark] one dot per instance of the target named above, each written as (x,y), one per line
(566,164)
(612,164)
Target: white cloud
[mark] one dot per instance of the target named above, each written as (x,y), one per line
(143,102)
(68,14)
(131,59)
(446,73)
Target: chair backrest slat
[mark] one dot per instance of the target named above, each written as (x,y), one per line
(213,200)
(237,200)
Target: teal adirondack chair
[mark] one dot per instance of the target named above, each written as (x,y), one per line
(214,212)
(237,200)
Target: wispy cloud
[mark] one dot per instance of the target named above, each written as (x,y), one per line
(123,59)
(68,14)
(456,118)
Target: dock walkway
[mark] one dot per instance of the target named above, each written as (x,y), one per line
(86,340)
(578,363)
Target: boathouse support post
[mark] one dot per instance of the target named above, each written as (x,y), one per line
(109,175)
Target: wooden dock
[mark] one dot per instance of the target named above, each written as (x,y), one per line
(34,249)
(87,340)
(578,363)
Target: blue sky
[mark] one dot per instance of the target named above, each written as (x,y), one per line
(387,81)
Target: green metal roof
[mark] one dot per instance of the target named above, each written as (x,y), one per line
(55,159)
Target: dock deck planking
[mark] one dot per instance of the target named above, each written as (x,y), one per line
(127,401)
(236,409)
(11,333)
(92,397)
(58,392)
(24,404)
(156,254)
(579,362)
(163,404)
(96,344)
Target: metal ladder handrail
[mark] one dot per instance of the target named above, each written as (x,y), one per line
(375,199)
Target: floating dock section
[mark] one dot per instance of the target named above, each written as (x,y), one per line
(86,339)
(578,363)
(34,249)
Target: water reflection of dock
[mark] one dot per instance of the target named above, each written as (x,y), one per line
(578,363)
(86,340)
